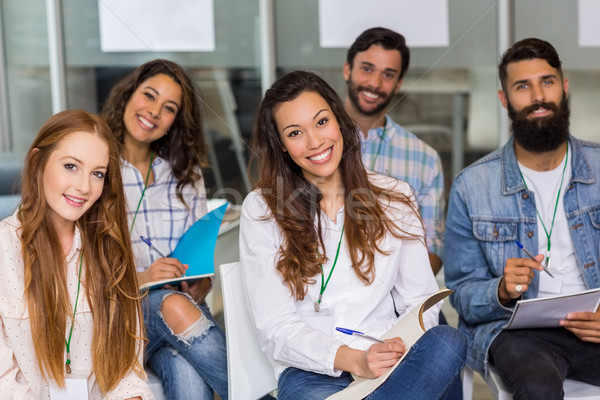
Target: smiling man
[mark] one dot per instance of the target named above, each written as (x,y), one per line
(375,65)
(542,189)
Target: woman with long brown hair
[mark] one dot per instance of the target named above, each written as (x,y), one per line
(70,309)
(155,114)
(325,244)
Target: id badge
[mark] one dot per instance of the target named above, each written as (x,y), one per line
(321,321)
(549,284)
(75,389)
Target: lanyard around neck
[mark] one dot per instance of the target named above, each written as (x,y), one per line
(143,192)
(380,144)
(68,341)
(323,282)
(549,233)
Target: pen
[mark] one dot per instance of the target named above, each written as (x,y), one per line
(147,241)
(532,257)
(357,333)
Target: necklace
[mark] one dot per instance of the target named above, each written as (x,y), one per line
(143,191)
(380,144)
(549,233)
(323,282)
(68,341)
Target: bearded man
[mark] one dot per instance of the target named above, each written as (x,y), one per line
(541,189)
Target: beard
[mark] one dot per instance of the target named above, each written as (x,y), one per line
(542,134)
(353,91)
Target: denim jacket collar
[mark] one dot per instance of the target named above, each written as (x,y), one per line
(511,177)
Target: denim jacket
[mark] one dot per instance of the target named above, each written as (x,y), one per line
(489,209)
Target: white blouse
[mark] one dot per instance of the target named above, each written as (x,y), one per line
(20,376)
(290,332)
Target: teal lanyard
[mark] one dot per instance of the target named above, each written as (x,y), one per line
(143,192)
(380,144)
(549,233)
(68,341)
(323,282)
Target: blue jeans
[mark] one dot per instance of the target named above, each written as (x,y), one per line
(426,373)
(533,363)
(189,368)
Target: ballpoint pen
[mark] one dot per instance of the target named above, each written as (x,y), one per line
(357,333)
(149,243)
(532,257)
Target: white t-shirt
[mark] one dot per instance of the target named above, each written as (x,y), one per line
(563,262)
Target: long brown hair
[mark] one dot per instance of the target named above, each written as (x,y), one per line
(184,146)
(295,202)
(110,279)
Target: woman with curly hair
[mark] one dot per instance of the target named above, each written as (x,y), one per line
(70,311)
(155,114)
(325,244)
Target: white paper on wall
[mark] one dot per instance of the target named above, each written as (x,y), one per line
(424,23)
(588,27)
(156,25)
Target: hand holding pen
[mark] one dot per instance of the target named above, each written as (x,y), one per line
(162,268)
(378,358)
(532,257)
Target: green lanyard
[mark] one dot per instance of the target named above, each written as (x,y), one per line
(68,341)
(548,234)
(380,144)
(323,282)
(143,192)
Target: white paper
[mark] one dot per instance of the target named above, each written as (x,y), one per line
(588,26)
(546,312)
(424,23)
(156,25)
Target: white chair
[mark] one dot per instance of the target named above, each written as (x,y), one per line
(574,390)
(250,374)
(155,385)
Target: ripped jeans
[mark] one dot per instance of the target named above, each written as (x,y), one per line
(191,367)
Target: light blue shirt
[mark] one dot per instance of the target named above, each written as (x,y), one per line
(402,155)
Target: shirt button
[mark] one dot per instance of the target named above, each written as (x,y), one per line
(525,196)
(530,234)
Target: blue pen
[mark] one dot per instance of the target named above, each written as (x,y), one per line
(357,333)
(532,257)
(149,243)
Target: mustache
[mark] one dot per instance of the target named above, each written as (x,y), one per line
(529,109)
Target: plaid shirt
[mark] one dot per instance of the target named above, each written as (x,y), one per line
(402,155)
(161,218)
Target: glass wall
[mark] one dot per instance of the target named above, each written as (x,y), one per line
(448,96)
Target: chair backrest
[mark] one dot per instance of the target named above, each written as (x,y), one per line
(250,374)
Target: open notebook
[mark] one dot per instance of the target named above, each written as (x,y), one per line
(410,328)
(197,249)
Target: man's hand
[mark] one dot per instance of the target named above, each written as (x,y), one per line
(518,274)
(586,325)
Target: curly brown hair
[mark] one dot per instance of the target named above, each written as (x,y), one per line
(279,177)
(184,146)
(110,281)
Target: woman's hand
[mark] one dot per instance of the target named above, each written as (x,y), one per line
(163,268)
(198,290)
(373,362)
